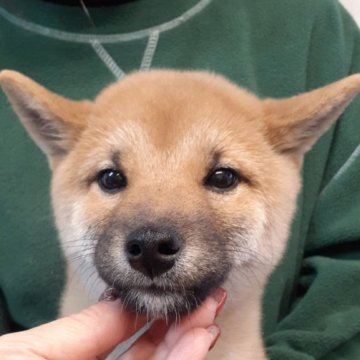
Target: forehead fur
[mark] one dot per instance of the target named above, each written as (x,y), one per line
(172,112)
(176,121)
(166,86)
(165,103)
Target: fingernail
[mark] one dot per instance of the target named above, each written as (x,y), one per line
(219,295)
(214,330)
(110,294)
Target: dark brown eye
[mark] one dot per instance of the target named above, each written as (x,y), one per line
(111,180)
(222,179)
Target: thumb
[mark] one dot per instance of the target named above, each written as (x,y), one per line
(85,335)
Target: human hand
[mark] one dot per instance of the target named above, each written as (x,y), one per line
(94,332)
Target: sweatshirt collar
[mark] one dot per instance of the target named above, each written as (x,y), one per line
(117,17)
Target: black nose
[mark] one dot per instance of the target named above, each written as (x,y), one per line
(152,251)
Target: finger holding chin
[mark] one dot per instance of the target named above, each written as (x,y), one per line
(195,344)
(192,335)
(202,317)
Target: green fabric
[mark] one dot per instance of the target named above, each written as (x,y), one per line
(274,48)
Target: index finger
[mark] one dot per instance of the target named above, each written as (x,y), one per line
(85,335)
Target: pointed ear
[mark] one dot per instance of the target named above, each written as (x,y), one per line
(52,121)
(293,125)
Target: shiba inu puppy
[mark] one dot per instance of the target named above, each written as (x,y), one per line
(171,184)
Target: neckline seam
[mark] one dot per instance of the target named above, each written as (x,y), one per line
(103,38)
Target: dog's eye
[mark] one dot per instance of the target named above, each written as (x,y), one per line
(222,179)
(111,180)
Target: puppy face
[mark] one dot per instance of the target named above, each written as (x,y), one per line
(171,183)
(169,145)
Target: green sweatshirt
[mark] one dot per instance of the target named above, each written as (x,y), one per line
(272,47)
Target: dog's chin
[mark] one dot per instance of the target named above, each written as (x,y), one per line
(155,302)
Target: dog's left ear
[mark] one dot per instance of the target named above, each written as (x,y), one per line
(293,125)
(52,121)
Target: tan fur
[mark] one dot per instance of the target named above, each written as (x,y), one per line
(33,97)
(164,127)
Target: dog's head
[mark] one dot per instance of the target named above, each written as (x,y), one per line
(172,182)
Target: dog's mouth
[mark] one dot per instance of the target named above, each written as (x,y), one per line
(158,302)
(170,295)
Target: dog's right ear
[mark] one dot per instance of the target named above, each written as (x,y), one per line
(52,121)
